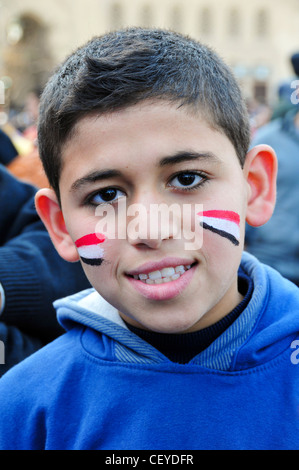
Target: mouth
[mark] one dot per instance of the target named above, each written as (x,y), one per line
(163,276)
(164,283)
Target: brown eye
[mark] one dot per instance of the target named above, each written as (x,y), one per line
(187,180)
(106,196)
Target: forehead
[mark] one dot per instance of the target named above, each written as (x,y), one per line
(141,135)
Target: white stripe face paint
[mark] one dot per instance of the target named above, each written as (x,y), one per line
(90,250)
(223,223)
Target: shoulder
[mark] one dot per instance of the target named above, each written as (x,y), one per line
(27,379)
(273,313)
(273,293)
(29,390)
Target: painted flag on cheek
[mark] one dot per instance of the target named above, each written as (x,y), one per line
(90,249)
(224,223)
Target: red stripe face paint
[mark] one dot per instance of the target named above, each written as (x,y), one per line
(224,223)
(90,249)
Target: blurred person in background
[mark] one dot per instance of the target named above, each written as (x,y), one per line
(32,274)
(259,114)
(22,130)
(7,150)
(277,242)
(31,110)
(284,103)
(285,91)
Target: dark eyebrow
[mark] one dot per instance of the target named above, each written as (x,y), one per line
(179,157)
(94,177)
(188,156)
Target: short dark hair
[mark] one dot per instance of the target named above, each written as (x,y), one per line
(122,68)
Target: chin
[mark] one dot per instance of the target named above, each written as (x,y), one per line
(171,327)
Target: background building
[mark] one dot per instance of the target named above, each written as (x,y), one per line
(256,38)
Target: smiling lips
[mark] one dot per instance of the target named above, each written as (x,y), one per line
(163,284)
(162,280)
(163,276)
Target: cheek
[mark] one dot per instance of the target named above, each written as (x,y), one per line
(103,275)
(222,223)
(100,260)
(91,249)
(222,243)
(220,263)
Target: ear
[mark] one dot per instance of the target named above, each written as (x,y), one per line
(49,210)
(260,170)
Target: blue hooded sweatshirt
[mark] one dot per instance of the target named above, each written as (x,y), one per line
(99,386)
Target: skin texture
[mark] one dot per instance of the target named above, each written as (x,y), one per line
(139,144)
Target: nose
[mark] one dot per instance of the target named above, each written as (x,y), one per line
(150,224)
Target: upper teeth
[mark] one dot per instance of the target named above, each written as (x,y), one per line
(165,275)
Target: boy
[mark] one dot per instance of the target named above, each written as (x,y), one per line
(175,347)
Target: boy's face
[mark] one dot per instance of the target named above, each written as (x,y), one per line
(154,154)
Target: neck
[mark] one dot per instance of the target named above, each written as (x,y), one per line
(183,347)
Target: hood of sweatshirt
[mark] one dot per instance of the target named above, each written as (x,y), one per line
(264,330)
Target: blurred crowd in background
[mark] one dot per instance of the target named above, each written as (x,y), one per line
(28,60)
(277,243)
(276,124)
(253,38)
(20,125)
(21,128)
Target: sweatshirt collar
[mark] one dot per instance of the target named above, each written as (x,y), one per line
(90,309)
